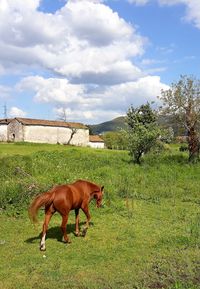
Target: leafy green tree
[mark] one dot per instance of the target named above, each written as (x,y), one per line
(183,101)
(143,131)
(115,140)
(167,135)
(143,115)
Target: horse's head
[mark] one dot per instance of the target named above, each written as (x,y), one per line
(99,196)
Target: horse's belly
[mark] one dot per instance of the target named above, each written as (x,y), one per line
(76,205)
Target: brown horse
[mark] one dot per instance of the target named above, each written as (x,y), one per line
(63,199)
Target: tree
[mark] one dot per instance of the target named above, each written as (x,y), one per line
(183,101)
(62,114)
(167,135)
(143,115)
(115,140)
(73,132)
(143,130)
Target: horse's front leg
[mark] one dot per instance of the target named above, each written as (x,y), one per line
(64,229)
(86,211)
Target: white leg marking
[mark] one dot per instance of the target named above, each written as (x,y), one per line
(42,243)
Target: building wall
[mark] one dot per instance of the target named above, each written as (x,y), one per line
(15,131)
(96,145)
(53,135)
(81,137)
(3,132)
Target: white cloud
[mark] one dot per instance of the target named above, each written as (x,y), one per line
(193,12)
(2,70)
(4,92)
(87,46)
(28,5)
(138,2)
(92,1)
(94,116)
(81,41)
(94,103)
(95,23)
(192,8)
(151,66)
(119,97)
(16,112)
(52,89)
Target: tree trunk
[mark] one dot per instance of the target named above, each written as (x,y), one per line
(193,144)
(137,158)
(193,140)
(71,136)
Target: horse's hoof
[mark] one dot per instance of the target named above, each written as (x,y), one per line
(68,241)
(42,248)
(84,232)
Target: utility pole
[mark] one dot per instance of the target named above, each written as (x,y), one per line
(5,111)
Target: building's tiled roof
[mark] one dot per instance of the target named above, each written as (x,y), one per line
(30,121)
(5,120)
(95,138)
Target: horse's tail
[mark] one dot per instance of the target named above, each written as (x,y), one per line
(45,199)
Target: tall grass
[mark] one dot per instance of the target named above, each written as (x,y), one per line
(147,235)
(164,176)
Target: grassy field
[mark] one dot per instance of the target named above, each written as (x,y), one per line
(147,235)
(27,148)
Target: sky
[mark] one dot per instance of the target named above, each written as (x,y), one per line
(93,59)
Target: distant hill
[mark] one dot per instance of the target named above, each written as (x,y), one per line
(112,125)
(119,123)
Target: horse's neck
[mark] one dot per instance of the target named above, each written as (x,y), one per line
(93,189)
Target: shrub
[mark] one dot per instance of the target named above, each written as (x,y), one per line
(183,148)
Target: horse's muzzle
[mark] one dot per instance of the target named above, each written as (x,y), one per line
(99,205)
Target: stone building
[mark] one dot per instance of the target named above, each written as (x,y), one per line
(3,129)
(43,131)
(95,141)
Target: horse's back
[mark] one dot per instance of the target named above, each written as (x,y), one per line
(80,185)
(85,186)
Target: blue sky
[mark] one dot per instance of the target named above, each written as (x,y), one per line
(91,58)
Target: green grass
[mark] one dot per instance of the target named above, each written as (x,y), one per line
(7,149)
(147,235)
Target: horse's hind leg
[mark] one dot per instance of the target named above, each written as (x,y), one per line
(49,211)
(48,216)
(64,230)
(77,231)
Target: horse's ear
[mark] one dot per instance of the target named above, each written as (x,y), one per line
(102,188)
